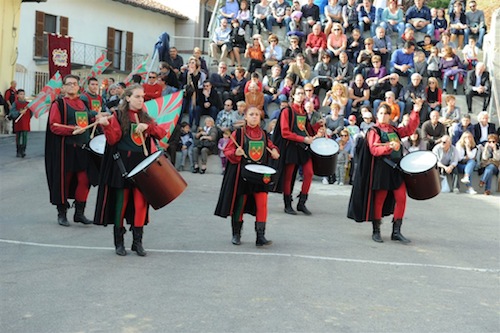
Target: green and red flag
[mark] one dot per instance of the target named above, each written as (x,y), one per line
(140,69)
(166,110)
(99,67)
(46,96)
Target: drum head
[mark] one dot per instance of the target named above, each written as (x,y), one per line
(324,147)
(145,163)
(98,144)
(418,162)
(261,169)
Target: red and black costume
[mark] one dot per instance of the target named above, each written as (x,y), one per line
(379,188)
(66,163)
(292,128)
(237,196)
(93,102)
(117,197)
(21,126)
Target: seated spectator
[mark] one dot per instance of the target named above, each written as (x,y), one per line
(175,61)
(310,12)
(355,44)
(367,122)
(300,70)
(205,145)
(393,19)
(413,143)
(478,83)
(376,72)
(365,58)
(237,87)
(460,128)
(475,24)
(414,90)
(336,42)
(254,78)
(433,62)
(295,27)
(272,55)
(203,63)
(402,61)
(483,128)
(470,52)
(418,17)
(238,43)
(343,71)
(221,42)
(446,41)
(261,11)
(271,87)
(333,14)
(408,36)
(350,16)
(390,100)
(337,95)
(433,95)
(315,44)
(334,122)
(366,17)
(169,78)
(284,93)
(387,83)
(450,114)
(451,67)
(221,81)
(238,115)
(467,151)
(152,89)
(458,23)
(447,156)
(323,74)
(426,45)
(433,131)
(420,63)
(224,119)
(313,115)
(440,24)
(359,94)
(382,45)
(255,52)
(230,10)
(490,161)
(255,98)
(291,53)
(208,102)
(279,15)
(310,96)
(244,16)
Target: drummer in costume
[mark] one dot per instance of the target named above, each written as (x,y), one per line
(91,96)
(21,117)
(118,198)
(249,145)
(379,189)
(293,135)
(66,163)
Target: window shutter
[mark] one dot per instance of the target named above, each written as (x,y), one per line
(128,51)
(111,45)
(39,27)
(63,26)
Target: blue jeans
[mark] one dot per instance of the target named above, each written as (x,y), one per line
(198,110)
(389,28)
(455,81)
(272,21)
(428,29)
(349,107)
(479,42)
(269,99)
(467,169)
(489,171)
(362,26)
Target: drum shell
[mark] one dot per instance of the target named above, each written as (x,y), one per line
(424,184)
(324,165)
(96,155)
(256,177)
(159,182)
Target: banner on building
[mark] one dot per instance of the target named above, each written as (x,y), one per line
(59,55)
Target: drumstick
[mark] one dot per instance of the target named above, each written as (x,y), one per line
(65,126)
(238,146)
(22,114)
(142,137)
(93,130)
(381,144)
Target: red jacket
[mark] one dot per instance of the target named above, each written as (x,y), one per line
(316,41)
(151,91)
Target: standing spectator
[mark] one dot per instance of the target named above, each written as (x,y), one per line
(433,130)
(393,19)
(490,161)
(478,83)
(10,96)
(315,44)
(192,80)
(221,41)
(187,143)
(418,17)
(475,24)
(21,116)
(366,17)
(3,127)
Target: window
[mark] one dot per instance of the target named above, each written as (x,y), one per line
(46,24)
(120,49)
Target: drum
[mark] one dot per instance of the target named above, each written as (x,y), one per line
(421,175)
(158,180)
(258,174)
(324,156)
(98,144)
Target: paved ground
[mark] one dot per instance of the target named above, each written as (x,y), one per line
(322,274)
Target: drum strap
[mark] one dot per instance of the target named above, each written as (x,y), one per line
(118,159)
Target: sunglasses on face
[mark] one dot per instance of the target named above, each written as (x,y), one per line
(343,135)
(152,77)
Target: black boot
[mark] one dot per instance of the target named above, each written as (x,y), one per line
(79,211)
(137,243)
(61,215)
(288,204)
(260,229)
(23,151)
(18,151)
(236,226)
(119,246)
(376,231)
(396,231)
(301,206)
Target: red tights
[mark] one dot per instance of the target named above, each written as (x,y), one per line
(307,169)
(260,203)
(399,197)
(82,187)
(140,206)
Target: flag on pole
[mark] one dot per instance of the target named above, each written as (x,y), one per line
(140,69)
(166,110)
(46,96)
(99,67)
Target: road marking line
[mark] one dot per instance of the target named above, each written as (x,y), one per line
(272,254)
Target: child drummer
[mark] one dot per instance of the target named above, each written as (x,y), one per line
(127,132)
(248,144)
